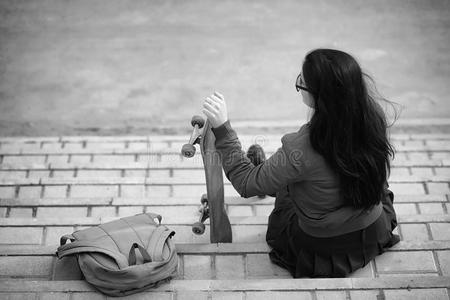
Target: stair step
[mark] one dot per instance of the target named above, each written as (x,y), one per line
(187,220)
(231,261)
(47,231)
(337,288)
(145,162)
(176,206)
(168,180)
(270,145)
(171,186)
(218,248)
(181,138)
(168,140)
(169,201)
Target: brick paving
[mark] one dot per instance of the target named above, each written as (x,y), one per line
(50,186)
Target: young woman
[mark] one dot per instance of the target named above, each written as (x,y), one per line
(333,210)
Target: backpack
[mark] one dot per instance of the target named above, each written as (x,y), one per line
(108,258)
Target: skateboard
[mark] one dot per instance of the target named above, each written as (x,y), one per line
(212,203)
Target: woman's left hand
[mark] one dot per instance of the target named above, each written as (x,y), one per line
(215,109)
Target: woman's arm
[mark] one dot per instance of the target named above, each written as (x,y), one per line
(283,167)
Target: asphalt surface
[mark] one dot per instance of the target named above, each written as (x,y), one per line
(121,67)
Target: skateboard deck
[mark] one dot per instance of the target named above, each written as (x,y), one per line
(220,228)
(213,204)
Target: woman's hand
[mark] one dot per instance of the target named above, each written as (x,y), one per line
(215,109)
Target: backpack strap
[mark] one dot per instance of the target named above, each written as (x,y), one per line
(158,239)
(77,247)
(132,254)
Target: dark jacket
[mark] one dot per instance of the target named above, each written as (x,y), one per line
(298,169)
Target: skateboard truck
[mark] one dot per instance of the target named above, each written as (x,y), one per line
(188,150)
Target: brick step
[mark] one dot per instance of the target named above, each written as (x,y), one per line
(48,230)
(401,287)
(120,170)
(231,261)
(171,186)
(174,147)
(188,206)
(181,138)
(188,180)
(186,220)
(130,188)
(184,176)
(157,162)
(219,248)
(180,201)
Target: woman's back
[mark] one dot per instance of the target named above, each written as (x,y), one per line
(319,204)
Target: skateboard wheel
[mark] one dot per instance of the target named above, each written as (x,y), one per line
(197,120)
(204,199)
(188,150)
(198,228)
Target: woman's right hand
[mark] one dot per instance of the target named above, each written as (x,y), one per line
(215,108)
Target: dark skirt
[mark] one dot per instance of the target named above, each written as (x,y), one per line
(304,255)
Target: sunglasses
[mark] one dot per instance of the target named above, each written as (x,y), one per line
(300,84)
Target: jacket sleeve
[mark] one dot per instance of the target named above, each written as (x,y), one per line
(283,167)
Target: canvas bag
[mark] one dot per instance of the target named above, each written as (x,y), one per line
(124,256)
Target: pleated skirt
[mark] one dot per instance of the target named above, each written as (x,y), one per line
(304,255)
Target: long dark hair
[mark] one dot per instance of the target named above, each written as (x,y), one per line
(348,126)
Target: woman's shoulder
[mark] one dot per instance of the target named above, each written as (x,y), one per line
(296,139)
(298,145)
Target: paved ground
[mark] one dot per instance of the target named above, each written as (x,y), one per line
(121,67)
(51,186)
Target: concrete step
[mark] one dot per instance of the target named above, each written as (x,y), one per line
(127,141)
(412,150)
(269,143)
(172,161)
(181,137)
(182,220)
(168,186)
(187,180)
(181,200)
(400,287)
(161,170)
(47,230)
(219,248)
(173,207)
(231,261)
